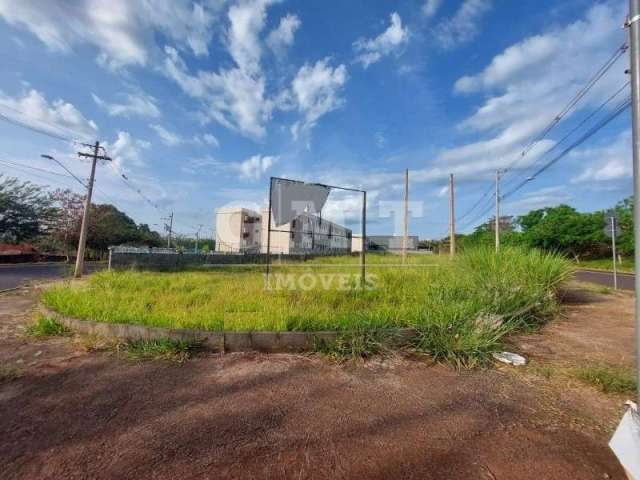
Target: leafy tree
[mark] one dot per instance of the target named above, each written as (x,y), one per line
(563,228)
(109,226)
(624,211)
(26,210)
(66,224)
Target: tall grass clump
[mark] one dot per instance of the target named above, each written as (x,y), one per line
(486,296)
(462,308)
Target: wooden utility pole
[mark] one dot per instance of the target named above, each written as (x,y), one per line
(405,233)
(498,173)
(452,217)
(87,204)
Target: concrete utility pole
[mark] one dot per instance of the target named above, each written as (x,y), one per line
(170,218)
(405,233)
(198,237)
(452,217)
(498,173)
(634,53)
(87,204)
(613,251)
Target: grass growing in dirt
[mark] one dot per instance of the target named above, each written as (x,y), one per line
(163,349)
(9,373)
(463,308)
(47,327)
(607,378)
(352,345)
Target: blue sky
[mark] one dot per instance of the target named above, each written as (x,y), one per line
(199,103)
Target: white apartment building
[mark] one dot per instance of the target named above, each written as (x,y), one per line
(238,230)
(306,234)
(244,230)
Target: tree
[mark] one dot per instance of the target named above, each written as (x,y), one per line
(624,211)
(26,210)
(563,228)
(109,226)
(68,218)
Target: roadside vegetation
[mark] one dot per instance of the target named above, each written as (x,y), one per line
(627,264)
(462,308)
(608,379)
(164,349)
(47,327)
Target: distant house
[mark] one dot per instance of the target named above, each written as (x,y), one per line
(18,253)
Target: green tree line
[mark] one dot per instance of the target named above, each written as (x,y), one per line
(51,220)
(562,229)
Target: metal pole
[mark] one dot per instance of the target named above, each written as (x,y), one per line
(364,239)
(405,234)
(497,210)
(634,53)
(268,260)
(452,217)
(85,215)
(613,251)
(170,228)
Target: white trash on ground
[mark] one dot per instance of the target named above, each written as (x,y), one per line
(510,358)
(625,442)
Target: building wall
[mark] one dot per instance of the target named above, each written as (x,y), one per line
(238,230)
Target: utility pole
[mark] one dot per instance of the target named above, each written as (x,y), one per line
(634,53)
(497,226)
(405,233)
(87,204)
(169,228)
(612,219)
(198,237)
(452,217)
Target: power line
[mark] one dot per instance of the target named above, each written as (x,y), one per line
(604,122)
(558,117)
(578,126)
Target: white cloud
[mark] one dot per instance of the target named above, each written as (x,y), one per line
(254,167)
(168,138)
(127,151)
(139,104)
(281,38)
(210,140)
(316,92)
(527,84)
(541,198)
(606,163)
(172,139)
(463,25)
(235,97)
(430,8)
(122,31)
(392,40)
(58,117)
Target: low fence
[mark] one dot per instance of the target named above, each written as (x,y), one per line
(134,257)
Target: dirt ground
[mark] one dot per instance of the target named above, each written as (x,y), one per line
(73,414)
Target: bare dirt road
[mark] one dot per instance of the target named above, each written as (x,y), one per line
(74,414)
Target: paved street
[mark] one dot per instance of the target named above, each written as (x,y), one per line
(625,280)
(12,276)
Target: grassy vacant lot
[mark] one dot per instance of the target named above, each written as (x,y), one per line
(462,307)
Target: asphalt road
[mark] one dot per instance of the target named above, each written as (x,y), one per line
(12,276)
(625,280)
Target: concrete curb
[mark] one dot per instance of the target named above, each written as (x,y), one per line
(270,342)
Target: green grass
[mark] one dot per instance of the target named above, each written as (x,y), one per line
(47,327)
(352,345)
(164,349)
(627,265)
(607,378)
(462,307)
